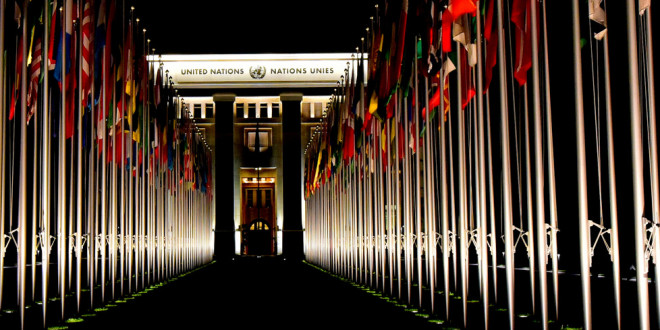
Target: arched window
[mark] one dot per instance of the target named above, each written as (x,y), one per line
(259,224)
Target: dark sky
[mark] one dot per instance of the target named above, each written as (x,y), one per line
(237,27)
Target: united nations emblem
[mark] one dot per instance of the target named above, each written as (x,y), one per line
(257,72)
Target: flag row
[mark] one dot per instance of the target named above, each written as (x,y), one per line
(106,180)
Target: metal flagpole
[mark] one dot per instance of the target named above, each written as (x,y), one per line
(481,184)
(653,141)
(397,189)
(2,144)
(464,239)
(444,202)
(46,166)
(428,201)
(614,222)
(552,191)
(452,196)
(35,216)
(122,160)
(61,236)
(418,201)
(22,196)
(79,205)
(531,246)
(128,233)
(583,219)
(92,200)
(506,171)
(541,245)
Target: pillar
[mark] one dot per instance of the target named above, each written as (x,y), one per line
(292,238)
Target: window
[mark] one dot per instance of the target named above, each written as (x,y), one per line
(252,110)
(250,198)
(263,110)
(268,192)
(240,110)
(259,140)
(197,111)
(208,113)
(318,109)
(276,110)
(259,224)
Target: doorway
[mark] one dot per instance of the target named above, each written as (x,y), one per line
(258,217)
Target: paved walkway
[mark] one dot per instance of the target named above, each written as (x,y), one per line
(249,293)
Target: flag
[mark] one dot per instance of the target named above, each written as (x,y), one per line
(461,7)
(447,67)
(520,16)
(491,46)
(597,14)
(35,72)
(71,86)
(52,32)
(643,6)
(446,31)
(86,57)
(66,43)
(467,88)
(17,81)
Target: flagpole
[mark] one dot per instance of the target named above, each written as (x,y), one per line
(3,145)
(92,166)
(452,196)
(122,160)
(429,201)
(552,190)
(530,207)
(61,239)
(46,163)
(653,141)
(541,247)
(444,206)
(22,197)
(483,224)
(35,216)
(583,219)
(462,193)
(506,171)
(79,205)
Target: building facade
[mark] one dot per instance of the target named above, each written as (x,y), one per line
(257,112)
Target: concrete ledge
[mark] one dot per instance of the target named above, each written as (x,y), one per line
(224,97)
(291,97)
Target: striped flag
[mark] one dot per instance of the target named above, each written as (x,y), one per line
(51,37)
(86,54)
(35,72)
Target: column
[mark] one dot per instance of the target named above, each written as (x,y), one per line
(292,238)
(224,167)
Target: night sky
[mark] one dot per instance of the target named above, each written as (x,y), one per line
(253,27)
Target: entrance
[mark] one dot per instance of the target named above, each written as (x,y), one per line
(258,217)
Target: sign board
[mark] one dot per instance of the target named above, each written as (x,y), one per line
(256,71)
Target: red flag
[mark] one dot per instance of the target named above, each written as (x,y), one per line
(462,7)
(17,82)
(446,31)
(400,41)
(467,88)
(71,85)
(491,46)
(491,60)
(520,16)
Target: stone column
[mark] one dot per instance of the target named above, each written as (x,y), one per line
(224,167)
(292,240)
